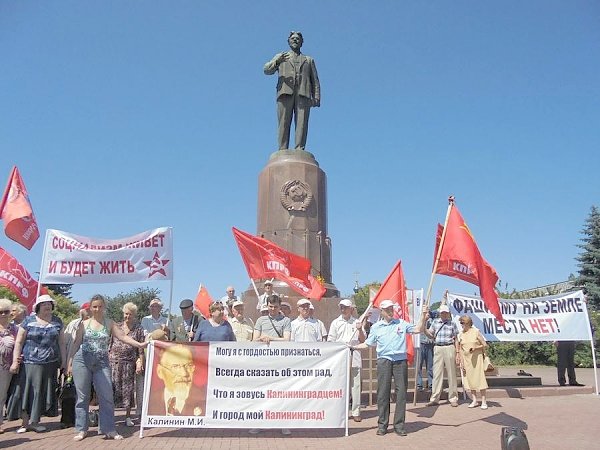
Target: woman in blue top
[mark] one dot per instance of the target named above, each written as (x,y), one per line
(41,340)
(216,328)
(88,362)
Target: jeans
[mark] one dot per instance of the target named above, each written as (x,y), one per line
(385,370)
(426,356)
(91,368)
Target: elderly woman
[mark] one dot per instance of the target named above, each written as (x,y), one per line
(88,362)
(41,339)
(216,328)
(472,345)
(126,361)
(13,402)
(8,333)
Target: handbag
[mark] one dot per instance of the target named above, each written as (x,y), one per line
(487,364)
(67,390)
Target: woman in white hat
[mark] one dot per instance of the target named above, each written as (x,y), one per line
(41,340)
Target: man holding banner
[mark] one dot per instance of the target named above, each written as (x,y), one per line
(389,337)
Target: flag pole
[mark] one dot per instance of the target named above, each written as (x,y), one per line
(439,252)
(5,194)
(256,292)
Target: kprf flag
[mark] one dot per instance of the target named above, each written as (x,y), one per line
(69,258)
(16,212)
(263,259)
(203,301)
(394,288)
(16,278)
(460,258)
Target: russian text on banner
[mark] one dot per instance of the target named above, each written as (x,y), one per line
(460,258)
(264,259)
(562,317)
(69,258)
(16,278)
(246,385)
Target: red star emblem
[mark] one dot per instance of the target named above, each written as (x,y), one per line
(157,265)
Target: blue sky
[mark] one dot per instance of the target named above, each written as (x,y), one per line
(124,116)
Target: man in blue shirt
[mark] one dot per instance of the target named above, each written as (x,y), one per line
(389,337)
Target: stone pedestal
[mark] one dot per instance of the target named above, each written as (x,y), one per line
(292,209)
(292,213)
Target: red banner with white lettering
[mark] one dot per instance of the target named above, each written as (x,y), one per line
(264,259)
(19,222)
(16,278)
(460,258)
(69,258)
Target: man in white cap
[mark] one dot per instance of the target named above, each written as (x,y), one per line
(444,332)
(304,327)
(155,320)
(346,328)
(268,291)
(243,327)
(286,309)
(389,337)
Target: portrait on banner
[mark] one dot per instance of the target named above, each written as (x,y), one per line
(179,379)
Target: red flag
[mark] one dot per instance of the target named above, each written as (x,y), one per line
(16,212)
(394,288)
(460,258)
(16,278)
(203,301)
(263,259)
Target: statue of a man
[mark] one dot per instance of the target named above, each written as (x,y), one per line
(298,90)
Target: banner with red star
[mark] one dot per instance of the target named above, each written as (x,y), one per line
(69,258)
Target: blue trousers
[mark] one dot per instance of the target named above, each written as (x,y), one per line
(91,368)
(426,356)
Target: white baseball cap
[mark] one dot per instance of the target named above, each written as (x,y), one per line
(303,301)
(386,304)
(346,302)
(444,308)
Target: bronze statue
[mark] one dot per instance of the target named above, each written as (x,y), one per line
(298,90)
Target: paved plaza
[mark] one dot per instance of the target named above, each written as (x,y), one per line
(553,418)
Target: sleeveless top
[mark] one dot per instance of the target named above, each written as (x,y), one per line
(96,341)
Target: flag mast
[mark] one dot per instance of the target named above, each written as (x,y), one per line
(439,252)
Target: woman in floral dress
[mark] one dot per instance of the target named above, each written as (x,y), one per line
(126,361)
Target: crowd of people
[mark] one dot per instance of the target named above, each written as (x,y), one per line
(106,359)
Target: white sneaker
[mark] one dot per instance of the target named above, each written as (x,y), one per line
(285,432)
(254,431)
(129,422)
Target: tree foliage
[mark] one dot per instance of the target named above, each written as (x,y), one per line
(141,297)
(361,298)
(589,259)
(60,289)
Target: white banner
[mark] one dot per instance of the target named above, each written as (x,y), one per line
(246,385)
(70,259)
(415,298)
(562,317)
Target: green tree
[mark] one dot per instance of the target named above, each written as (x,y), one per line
(60,289)
(140,296)
(7,293)
(589,259)
(361,298)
